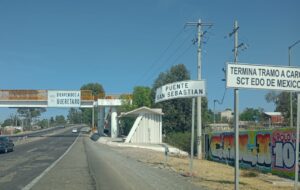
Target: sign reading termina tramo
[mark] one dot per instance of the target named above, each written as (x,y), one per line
(182,89)
(263,77)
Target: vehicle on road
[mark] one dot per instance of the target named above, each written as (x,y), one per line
(74,130)
(6,144)
(85,130)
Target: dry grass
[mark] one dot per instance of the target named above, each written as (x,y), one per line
(209,174)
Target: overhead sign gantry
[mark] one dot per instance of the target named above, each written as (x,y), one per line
(46,98)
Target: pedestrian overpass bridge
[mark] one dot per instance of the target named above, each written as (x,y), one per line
(66,99)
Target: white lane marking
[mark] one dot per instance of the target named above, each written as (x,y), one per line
(37,179)
(31,150)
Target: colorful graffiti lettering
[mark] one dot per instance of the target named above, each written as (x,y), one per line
(268,150)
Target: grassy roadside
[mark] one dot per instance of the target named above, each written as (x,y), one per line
(209,174)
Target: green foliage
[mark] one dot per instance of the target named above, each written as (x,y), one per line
(52,121)
(30,113)
(141,97)
(96,89)
(177,116)
(282,103)
(251,114)
(181,141)
(207,114)
(60,119)
(8,122)
(74,116)
(43,123)
(125,125)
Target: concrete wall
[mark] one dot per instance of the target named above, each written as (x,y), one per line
(269,150)
(149,130)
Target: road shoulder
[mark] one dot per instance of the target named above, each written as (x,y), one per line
(72,172)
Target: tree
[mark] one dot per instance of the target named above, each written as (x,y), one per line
(43,123)
(97,91)
(282,103)
(74,116)
(52,121)
(8,122)
(96,88)
(178,112)
(60,119)
(141,96)
(29,113)
(251,114)
(177,116)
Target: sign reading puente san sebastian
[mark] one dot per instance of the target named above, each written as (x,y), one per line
(182,89)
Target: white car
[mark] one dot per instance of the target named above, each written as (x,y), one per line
(74,130)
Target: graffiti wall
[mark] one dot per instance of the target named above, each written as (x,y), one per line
(269,150)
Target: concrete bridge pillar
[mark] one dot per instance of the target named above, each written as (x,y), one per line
(114,123)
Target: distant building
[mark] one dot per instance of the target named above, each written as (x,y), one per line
(274,118)
(227,115)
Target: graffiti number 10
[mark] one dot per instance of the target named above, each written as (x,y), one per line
(284,155)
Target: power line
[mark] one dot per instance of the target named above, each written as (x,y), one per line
(162,54)
(156,67)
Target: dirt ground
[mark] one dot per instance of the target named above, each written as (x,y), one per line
(210,174)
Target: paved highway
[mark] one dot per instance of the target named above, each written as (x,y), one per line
(93,166)
(86,165)
(20,167)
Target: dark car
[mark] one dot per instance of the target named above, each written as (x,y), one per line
(6,144)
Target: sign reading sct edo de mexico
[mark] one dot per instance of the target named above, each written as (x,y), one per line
(64,98)
(263,77)
(182,89)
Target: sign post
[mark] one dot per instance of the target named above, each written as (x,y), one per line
(183,89)
(297,143)
(269,78)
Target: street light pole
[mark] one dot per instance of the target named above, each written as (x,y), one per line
(291,93)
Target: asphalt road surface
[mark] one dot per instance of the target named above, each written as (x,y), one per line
(86,165)
(90,166)
(29,160)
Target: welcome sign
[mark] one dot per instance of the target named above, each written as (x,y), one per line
(64,98)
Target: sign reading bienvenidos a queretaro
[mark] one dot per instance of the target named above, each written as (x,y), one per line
(64,98)
(263,77)
(182,89)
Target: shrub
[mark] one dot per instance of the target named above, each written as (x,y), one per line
(180,140)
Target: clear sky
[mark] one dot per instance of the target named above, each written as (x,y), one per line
(63,44)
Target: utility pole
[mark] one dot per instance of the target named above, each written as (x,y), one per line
(236,108)
(199,25)
(93,114)
(291,93)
